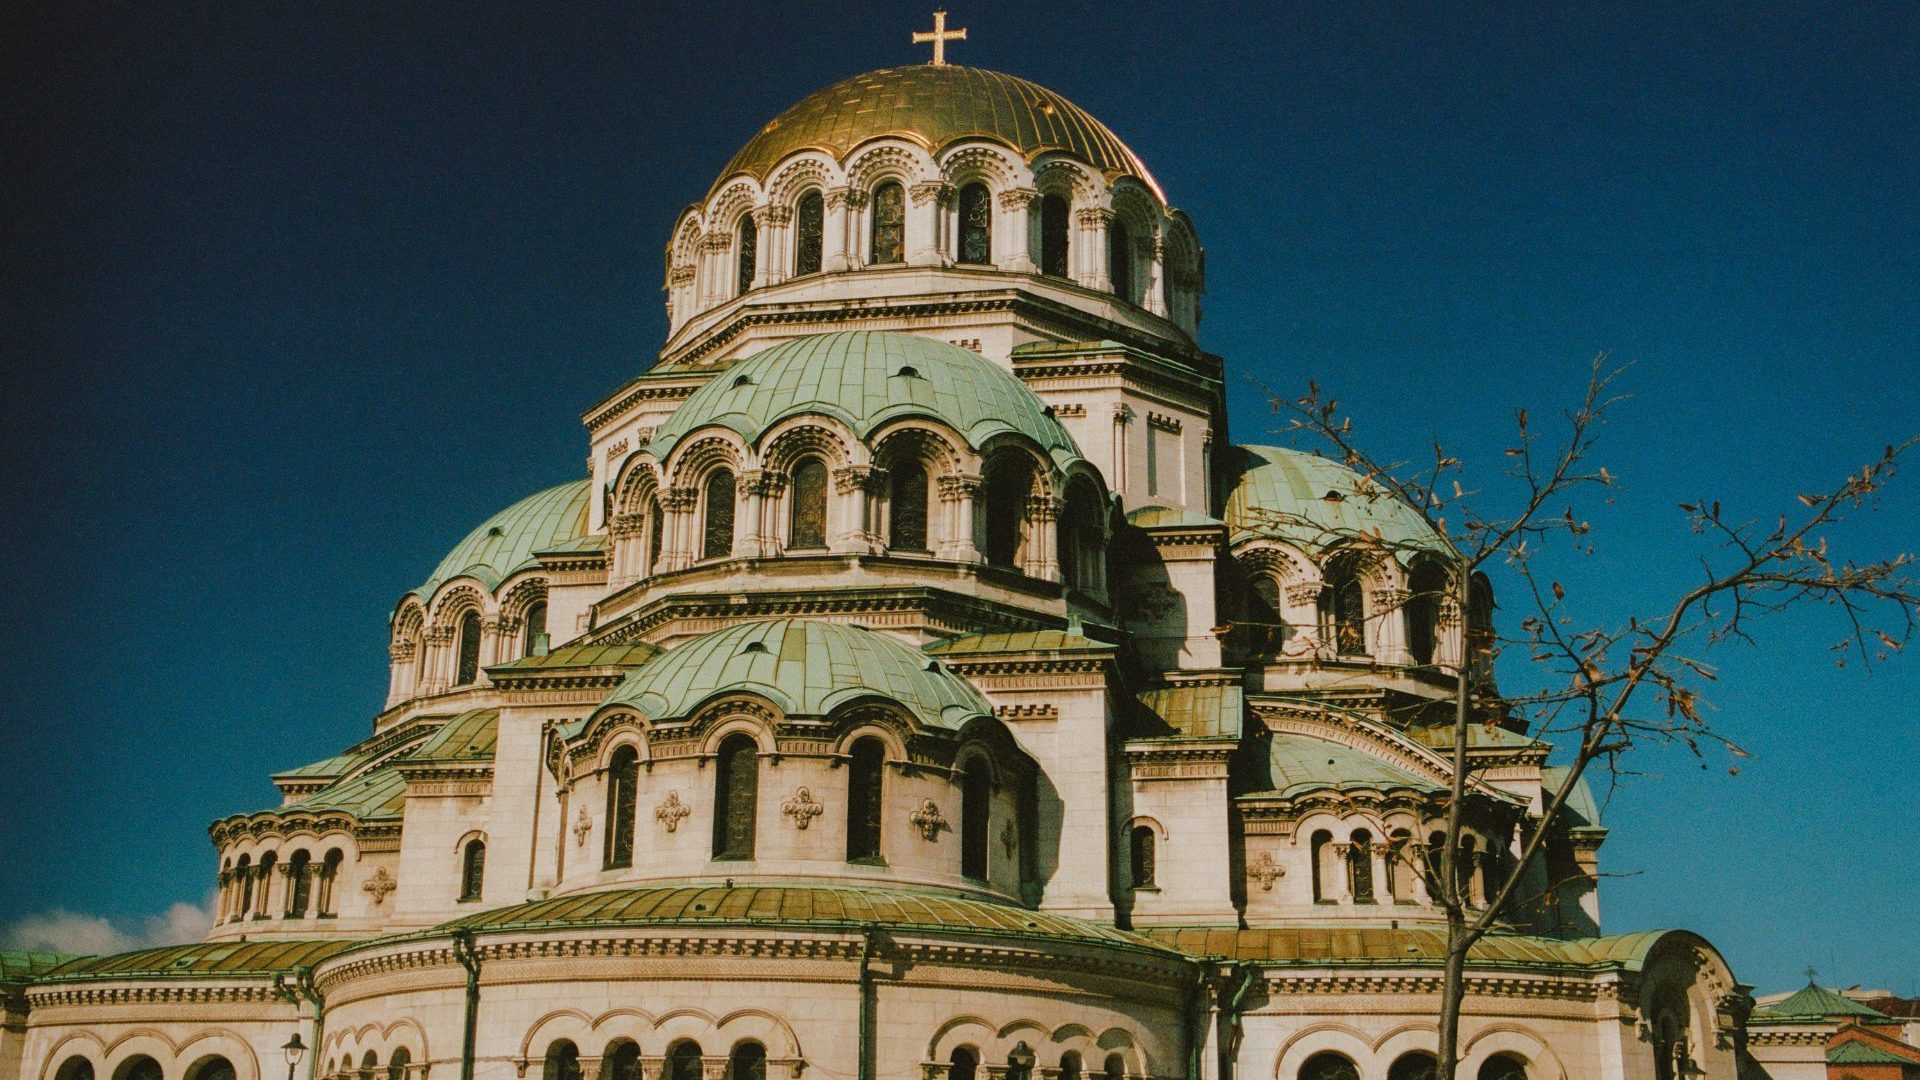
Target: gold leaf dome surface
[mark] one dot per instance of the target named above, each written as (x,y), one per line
(936,106)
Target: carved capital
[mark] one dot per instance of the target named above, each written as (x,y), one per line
(1018,198)
(773,215)
(1093,216)
(1304,593)
(400,651)
(927,191)
(959,486)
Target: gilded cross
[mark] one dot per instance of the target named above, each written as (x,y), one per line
(939,37)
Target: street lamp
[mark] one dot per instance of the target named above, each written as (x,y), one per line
(294,1050)
(1021,1057)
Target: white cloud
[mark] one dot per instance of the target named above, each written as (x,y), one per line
(60,930)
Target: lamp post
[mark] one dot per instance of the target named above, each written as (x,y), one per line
(294,1049)
(1021,1058)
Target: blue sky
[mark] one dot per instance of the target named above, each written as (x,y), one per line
(297,294)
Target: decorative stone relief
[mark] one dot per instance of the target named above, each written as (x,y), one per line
(582,825)
(672,812)
(379,886)
(1009,839)
(1264,870)
(928,820)
(802,808)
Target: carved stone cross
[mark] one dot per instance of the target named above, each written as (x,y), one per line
(379,886)
(672,812)
(582,825)
(802,808)
(928,820)
(1266,871)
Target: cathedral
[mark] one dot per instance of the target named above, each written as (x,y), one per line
(918,683)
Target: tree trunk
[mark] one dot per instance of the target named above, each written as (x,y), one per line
(1453,988)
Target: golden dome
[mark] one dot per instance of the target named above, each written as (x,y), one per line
(935,106)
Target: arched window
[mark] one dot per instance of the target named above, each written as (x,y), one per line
(655,529)
(976,812)
(623,782)
(265,874)
(75,1068)
(809,226)
(747,1062)
(1116,1067)
(683,1061)
(536,620)
(621,1061)
(299,884)
(397,1064)
(1020,1061)
(1053,235)
(1436,864)
(329,875)
(1328,1065)
(1070,1068)
(736,797)
(1081,539)
(1343,611)
(1318,848)
(866,780)
(1004,493)
(976,225)
(1503,1067)
(139,1067)
(1360,866)
(563,1061)
(1463,871)
(1266,631)
(1120,259)
(888,242)
(749,248)
(718,540)
(1480,626)
(962,1063)
(1140,848)
(1425,589)
(807,509)
(211,1068)
(469,667)
(1399,871)
(473,869)
(369,1065)
(907,506)
(1414,1065)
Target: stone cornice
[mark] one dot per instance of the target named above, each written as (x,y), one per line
(942,607)
(1573,986)
(169,989)
(649,387)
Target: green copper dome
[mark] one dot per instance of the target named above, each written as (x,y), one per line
(936,107)
(1314,503)
(505,543)
(806,667)
(865,379)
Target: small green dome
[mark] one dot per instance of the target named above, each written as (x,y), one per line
(865,379)
(806,667)
(1312,502)
(505,543)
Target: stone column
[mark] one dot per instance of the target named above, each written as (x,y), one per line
(1095,223)
(957,492)
(677,503)
(1122,421)
(749,524)
(763,250)
(854,533)
(773,260)
(1390,626)
(1156,292)
(1043,527)
(400,678)
(925,203)
(1016,223)
(841,249)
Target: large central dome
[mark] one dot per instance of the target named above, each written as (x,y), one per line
(934,106)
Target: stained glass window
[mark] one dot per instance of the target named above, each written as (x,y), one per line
(1142,852)
(976,799)
(1263,614)
(809,226)
(1006,491)
(683,1061)
(718,543)
(1423,611)
(1360,865)
(736,798)
(1414,1065)
(907,505)
(623,778)
(473,869)
(469,669)
(654,532)
(1328,1065)
(562,1063)
(1120,259)
(621,1061)
(537,628)
(1343,609)
(865,777)
(749,248)
(889,242)
(807,512)
(1053,235)
(976,224)
(299,884)
(747,1062)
